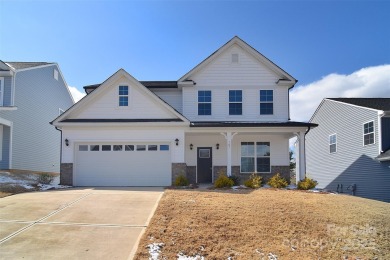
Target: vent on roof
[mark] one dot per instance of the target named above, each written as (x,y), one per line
(235,58)
(55,74)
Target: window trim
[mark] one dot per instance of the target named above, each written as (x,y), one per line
(119,96)
(373,132)
(266,102)
(255,156)
(235,102)
(332,143)
(211,102)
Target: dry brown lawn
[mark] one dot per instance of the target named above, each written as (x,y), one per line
(245,224)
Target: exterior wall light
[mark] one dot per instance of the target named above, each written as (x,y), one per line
(66,142)
(191,146)
(217,145)
(177,141)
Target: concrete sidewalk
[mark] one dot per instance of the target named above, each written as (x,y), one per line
(82,223)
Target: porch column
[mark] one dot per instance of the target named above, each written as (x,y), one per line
(229,137)
(300,153)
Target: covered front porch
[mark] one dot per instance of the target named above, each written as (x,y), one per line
(241,149)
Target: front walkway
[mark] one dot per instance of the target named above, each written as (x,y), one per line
(82,223)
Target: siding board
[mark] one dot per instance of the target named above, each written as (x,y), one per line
(353,163)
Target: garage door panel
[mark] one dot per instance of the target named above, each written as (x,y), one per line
(122,168)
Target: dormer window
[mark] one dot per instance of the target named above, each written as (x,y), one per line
(266,102)
(123,96)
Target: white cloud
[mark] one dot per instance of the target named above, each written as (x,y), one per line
(76,94)
(366,82)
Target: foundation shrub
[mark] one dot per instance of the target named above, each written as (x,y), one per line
(307,184)
(181,180)
(277,181)
(223,182)
(254,181)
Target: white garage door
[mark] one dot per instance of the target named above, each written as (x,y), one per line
(121,164)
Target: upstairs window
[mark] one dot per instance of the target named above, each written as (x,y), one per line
(368,134)
(333,143)
(123,96)
(204,102)
(235,102)
(266,102)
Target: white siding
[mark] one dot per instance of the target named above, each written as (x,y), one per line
(249,75)
(279,148)
(123,134)
(172,97)
(105,105)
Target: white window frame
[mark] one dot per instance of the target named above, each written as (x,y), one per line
(242,97)
(1,91)
(373,132)
(201,102)
(267,102)
(332,143)
(128,96)
(255,156)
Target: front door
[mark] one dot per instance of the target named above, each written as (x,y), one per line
(205,165)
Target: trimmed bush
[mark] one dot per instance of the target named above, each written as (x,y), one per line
(181,180)
(253,182)
(277,181)
(45,178)
(235,179)
(307,184)
(223,182)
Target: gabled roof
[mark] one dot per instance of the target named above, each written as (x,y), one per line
(148,84)
(25,65)
(100,87)
(236,40)
(374,103)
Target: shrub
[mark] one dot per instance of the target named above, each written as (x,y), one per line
(45,178)
(253,182)
(235,179)
(223,182)
(181,180)
(307,184)
(277,181)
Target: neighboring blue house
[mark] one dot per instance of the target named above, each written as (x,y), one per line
(31,95)
(350,149)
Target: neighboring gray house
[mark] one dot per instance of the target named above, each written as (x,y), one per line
(31,95)
(351,146)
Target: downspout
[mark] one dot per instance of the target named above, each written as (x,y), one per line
(380,115)
(288,99)
(60,149)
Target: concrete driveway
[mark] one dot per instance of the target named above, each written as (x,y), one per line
(80,223)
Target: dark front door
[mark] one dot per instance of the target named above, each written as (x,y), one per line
(205,165)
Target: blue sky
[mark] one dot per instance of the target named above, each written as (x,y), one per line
(162,40)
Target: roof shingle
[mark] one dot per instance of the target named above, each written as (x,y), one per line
(375,103)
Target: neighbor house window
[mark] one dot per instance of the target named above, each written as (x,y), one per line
(129,147)
(83,148)
(333,143)
(204,102)
(235,102)
(106,147)
(266,102)
(368,135)
(123,96)
(235,58)
(152,147)
(94,147)
(116,147)
(141,147)
(164,147)
(255,157)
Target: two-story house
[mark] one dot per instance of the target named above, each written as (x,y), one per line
(229,113)
(349,151)
(31,95)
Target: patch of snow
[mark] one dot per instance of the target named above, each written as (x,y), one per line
(291,187)
(154,250)
(24,185)
(52,186)
(6,179)
(182,256)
